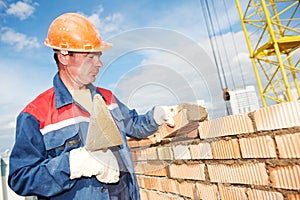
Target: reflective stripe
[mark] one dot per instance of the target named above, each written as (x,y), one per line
(64,123)
(112,106)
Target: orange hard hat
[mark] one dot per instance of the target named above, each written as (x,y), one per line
(74,32)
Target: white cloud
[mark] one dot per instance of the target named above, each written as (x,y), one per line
(21,9)
(109,24)
(234,58)
(19,40)
(8,120)
(112,23)
(177,68)
(170,64)
(165,78)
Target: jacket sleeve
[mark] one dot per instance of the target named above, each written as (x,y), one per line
(32,171)
(137,126)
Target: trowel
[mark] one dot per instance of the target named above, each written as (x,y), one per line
(102,131)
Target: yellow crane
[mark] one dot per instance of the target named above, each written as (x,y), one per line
(272,32)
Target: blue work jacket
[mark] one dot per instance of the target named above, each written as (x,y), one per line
(52,125)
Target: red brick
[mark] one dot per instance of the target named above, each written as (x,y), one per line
(146,182)
(140,155)
(201,151)
(145,142)
(171,186)
(162,196)
(181,152)
(151,153)
(134,155)
(155,170)
(150,169)
(286,177)
(264,195)
(194,112)
(226,149)
(165,153)
(187,189)
(157,184)
(250,173)
(132,143)
(283,115)
(258,147)
(144,195)
(139,168)
(293,196)
(140,181)
(229,125)
(230,192)
(187,171)
(206,192)
(288,145)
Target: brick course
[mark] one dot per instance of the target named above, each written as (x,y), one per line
(231,192)
(226,149)
(264,195)
(282,115)
(181,152)
(258,147)
(206,192)
(250,156)
(230,125)
(288,145)
(253,174)
(201,151)
(287,177)
(187,171)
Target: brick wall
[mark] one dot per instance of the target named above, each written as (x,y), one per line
(244,157)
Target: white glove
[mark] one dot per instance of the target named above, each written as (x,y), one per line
(103,165)
(165,114)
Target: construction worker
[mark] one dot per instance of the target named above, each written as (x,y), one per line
(49,159)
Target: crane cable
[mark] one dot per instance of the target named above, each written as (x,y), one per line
(210,30)
(213,48)
(234,44)
(208,16)
(236,53)
(224,47)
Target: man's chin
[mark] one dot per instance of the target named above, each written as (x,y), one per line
(92,80)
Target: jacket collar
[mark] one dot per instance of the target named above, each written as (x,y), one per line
(62,94)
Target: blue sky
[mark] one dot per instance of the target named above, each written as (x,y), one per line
(161,53)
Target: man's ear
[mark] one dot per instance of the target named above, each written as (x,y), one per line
(63,59)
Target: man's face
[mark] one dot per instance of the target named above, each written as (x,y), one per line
(84,67)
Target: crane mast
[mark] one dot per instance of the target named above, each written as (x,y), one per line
(272,33)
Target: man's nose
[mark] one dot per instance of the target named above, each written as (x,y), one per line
(98,62)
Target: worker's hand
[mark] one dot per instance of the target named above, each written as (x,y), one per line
(102,164)
(165,114)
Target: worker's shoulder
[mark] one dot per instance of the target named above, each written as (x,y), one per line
(41,101)
(108,95)
(104,91)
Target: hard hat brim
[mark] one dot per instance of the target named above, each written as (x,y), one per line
(104,46)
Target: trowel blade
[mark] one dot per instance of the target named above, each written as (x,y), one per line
(102,131)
